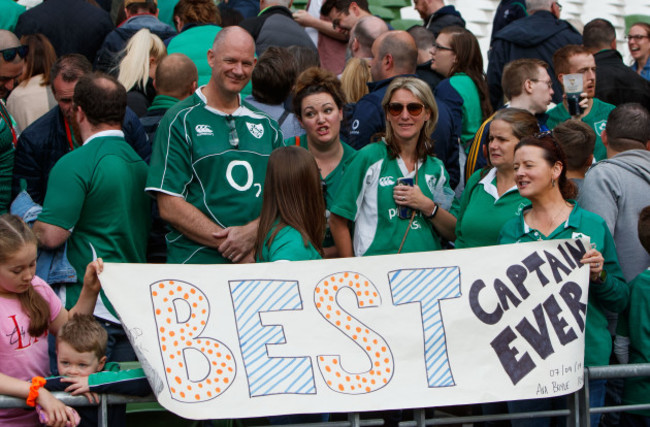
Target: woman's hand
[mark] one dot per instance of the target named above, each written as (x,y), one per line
(405,195)
(595,260)
(57,412)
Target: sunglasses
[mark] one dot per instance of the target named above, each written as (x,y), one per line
(413,108)
(233,138)
(9,54)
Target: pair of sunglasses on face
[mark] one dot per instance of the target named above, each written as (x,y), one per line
(10,54)
(413,108)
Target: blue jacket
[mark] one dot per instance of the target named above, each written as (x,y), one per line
(51,265)
(45,141)
(536,36)
(369,118)
(108,55)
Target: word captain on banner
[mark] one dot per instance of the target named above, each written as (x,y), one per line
(395,331)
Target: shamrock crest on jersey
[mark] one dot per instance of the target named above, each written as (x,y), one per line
(256,129)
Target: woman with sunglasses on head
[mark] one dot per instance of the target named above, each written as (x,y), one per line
(492,192)
(456,55)
(394,191)
(318,103)
(638,41)
(540,173)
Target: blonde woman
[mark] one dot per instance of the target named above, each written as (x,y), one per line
(137,69)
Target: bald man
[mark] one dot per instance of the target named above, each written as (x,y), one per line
(363,35)
(394,54)
(11,67)
(209,161)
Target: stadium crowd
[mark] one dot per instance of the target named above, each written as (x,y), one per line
(186,131)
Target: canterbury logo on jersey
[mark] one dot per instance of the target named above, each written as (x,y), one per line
(257,130)
(386,181)
(203,130)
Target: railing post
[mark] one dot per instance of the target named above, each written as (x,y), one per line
(419,416)
(103,411)
(353,418)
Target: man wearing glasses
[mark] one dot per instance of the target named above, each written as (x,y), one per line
(209,161)
(538,35)
(11,67)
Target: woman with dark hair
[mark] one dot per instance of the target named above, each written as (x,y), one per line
(318,102)
(540,173)
(457,56)
(396,193)
(638,41)
(292,220)
(33,96)
(491,192)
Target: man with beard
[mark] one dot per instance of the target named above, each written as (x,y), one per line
(43,143)
(11,67)
(209,161)
(95,198)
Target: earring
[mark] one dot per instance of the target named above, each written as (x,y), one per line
(553,182)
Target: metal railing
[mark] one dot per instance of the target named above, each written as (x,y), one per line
(577,412)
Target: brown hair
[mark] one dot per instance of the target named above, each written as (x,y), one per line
(14,235)
(355,78)
(644,228)
(522,123)
(316,80)
(40,58)
(516,72)
(562,55)
(84,334)
(628,127)
(273,76)
(469,61)
(422,91)
(197,11)
(643,25)
(578,140)
(553,154)
(292,197)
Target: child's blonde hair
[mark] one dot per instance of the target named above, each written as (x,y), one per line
(84,334)
(14,235)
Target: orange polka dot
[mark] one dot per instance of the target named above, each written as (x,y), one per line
(161,285)
(368,389)
(158,311)
(178,379)
(341,387)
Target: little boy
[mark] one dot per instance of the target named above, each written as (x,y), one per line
(635,326)
(81,359)
(578,140)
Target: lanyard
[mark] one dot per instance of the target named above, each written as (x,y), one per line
(68,134)
(7,119)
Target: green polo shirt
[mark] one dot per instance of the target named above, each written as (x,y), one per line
(612,295)
(287,245)
(97,192)
(481,212)
(331,182)
(367,199)
(597,119)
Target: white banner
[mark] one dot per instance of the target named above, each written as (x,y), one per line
(358,334)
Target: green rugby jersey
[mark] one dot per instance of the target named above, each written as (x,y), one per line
(216,162)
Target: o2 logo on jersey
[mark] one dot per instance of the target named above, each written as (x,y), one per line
(239,174)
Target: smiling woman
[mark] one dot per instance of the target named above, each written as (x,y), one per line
(638,40)
(409,216)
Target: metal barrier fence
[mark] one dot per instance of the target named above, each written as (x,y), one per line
(577,412)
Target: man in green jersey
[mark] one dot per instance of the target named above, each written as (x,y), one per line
(209,161)
(574,59)
(95,199)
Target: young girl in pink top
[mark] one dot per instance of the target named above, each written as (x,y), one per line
(29,310)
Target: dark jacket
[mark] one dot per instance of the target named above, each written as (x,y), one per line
(274,26)
(446,16)
(72,26)
(536,36)
(108,56)
(616,83)
(508,11)
(45,141)
(424,72)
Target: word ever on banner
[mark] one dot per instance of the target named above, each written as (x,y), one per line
(358,334)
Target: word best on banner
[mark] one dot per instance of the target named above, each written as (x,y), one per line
(357,334)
